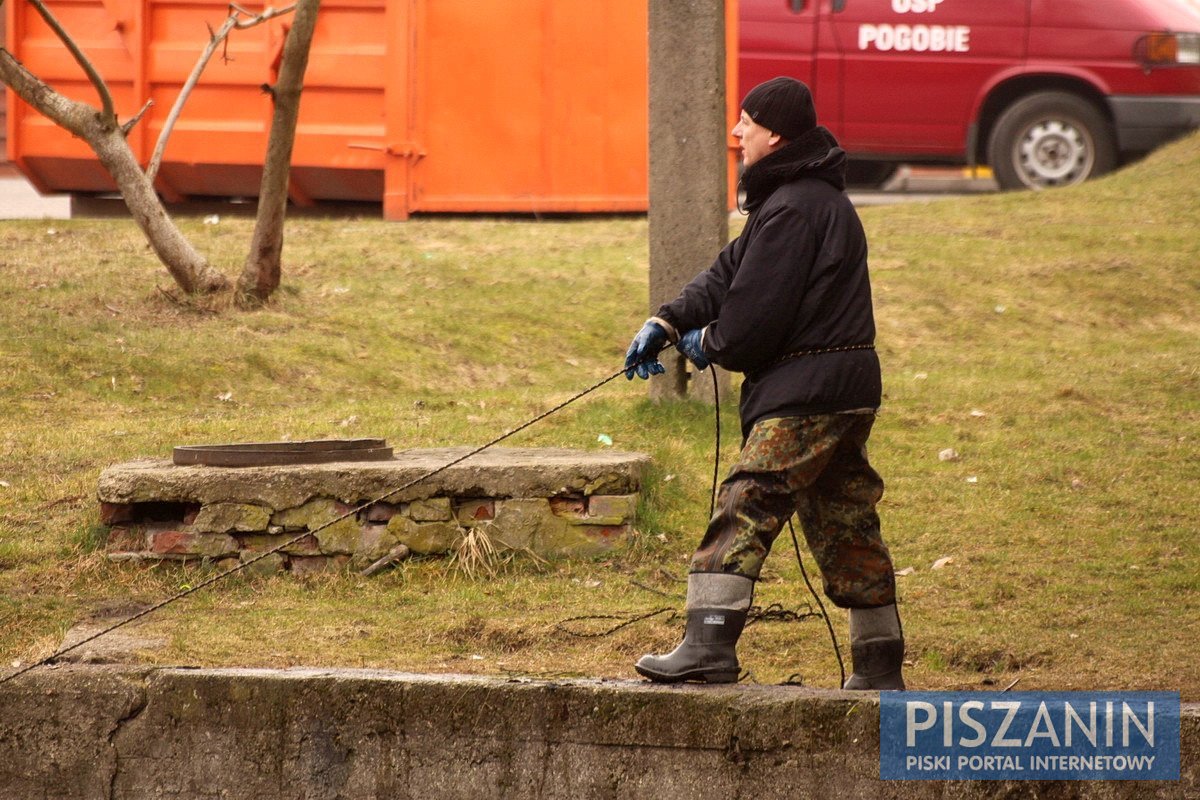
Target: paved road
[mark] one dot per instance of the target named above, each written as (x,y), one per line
(913,183)
(19,200)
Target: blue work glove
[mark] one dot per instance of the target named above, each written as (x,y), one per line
(642,355)
(689,345)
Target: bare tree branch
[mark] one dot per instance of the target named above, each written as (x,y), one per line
(128,126)
(106,100)
(67,113)
(160,146)
(264,15)
(215,39)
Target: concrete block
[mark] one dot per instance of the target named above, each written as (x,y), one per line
(374,542)
(259,542)
(433,509)
(608,509)
(425,538)
(189,543)
(262,506)
(230,517)
(496,472)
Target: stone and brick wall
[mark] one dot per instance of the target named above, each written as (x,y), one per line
(551,502)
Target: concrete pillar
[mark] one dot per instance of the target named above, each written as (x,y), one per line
(689,216)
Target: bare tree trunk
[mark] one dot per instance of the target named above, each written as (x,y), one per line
(261,273)
(190,270)
(99,128)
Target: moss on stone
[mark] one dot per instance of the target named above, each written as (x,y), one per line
(339,537)
(375,541)
(227,517)
(433,509)
(426,538)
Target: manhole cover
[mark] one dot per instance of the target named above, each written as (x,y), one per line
(259,454)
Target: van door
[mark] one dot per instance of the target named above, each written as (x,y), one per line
(777,37)
(913,70)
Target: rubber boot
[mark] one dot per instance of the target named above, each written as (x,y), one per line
(716,614)
(877,648)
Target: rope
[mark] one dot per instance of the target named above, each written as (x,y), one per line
(832,636)
(712,502)
(772,613)
(295,539)
(626,620)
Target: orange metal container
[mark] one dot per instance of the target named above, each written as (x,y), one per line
(425,105)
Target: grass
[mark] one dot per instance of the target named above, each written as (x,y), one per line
(1050,339)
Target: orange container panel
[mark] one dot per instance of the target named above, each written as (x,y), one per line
(427,105)
(549,116)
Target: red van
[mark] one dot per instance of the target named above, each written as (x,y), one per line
(1045,92)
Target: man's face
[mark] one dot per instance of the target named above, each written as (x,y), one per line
(756,141)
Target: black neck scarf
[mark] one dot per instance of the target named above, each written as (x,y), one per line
(814,154)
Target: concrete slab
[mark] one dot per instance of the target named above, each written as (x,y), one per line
(495,472)
(128,732)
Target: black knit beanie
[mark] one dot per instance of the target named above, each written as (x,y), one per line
(782,105)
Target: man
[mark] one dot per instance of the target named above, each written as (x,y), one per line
(787,303)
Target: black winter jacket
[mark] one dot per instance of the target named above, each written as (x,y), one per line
(794,281)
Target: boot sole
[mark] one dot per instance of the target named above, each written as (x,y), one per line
(704,675)
(883,683)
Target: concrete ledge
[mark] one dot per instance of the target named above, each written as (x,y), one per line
(133,732)
(496,472)
(550,501)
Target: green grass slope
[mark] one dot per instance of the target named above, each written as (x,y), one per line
(1048,339)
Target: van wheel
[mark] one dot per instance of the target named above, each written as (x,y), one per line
(1050,139)
(868,174)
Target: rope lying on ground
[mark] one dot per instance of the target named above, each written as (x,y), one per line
(352,512)
(772,613)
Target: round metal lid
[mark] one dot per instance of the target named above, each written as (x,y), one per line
(257,454)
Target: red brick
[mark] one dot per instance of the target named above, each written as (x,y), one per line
(568,506)
(381,512)
(112,513)
(468,511)
(173,543)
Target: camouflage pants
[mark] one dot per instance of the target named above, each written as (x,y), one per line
(815,467)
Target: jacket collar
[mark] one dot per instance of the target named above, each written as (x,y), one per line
(814,154)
